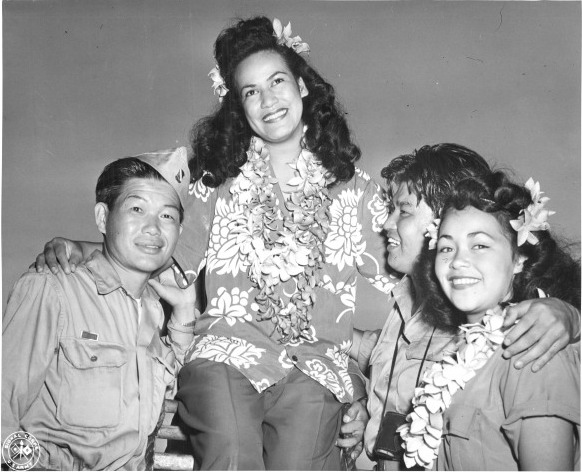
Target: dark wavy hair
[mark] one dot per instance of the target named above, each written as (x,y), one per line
(220,141)
(115,175)
(432,171)
(548,266)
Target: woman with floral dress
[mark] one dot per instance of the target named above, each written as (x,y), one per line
(282,221)
(474,410)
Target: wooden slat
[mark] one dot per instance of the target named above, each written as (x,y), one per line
(165,461)
(171,432)
(170,406)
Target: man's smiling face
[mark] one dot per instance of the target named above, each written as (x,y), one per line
(405,228)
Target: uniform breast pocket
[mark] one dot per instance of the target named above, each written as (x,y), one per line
(462,438)
(91,388)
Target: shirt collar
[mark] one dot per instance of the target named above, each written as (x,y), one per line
(106,277)
(403,296)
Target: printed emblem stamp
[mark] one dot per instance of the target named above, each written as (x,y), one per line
(21,451)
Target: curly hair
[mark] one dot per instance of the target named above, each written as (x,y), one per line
(432,171)
(547,266)
(220,141)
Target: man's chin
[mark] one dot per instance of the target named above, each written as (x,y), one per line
(398,265)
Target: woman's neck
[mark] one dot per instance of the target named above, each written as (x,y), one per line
(475,318)
(284,153)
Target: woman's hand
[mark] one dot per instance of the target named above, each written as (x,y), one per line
(182,300)
(63,253)
(546,326)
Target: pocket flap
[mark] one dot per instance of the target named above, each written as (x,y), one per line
(87,354)
(417,347)
(459,420)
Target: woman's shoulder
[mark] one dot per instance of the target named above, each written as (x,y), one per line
(559,378)
(360,181)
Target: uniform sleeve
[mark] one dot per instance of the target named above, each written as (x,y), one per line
(358,380)
(553,391)
(180,338)
(367,344)
(30,331)
(372,215)
(190,254)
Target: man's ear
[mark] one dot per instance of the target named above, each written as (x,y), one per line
(101,214)
(302,88)
(518,267)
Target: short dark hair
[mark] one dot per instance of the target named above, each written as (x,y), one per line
(432,171)
(117,173)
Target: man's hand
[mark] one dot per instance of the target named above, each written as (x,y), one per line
(354,423)
(546,326)
(59,252)
(182,300)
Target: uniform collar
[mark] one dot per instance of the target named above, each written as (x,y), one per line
(403,295)
(106,277)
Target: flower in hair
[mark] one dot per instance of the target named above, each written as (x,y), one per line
(432,232)
(284,38)
(218,83)
(532,218)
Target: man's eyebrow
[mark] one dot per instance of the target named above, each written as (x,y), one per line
(139,197)
(131,195)
(404,202)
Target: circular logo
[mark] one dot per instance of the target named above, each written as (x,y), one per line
(21,451)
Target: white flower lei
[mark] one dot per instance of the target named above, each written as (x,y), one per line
(278,248)
(422,434)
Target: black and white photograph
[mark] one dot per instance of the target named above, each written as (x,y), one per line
(291,235)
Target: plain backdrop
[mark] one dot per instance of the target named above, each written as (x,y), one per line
(87,82)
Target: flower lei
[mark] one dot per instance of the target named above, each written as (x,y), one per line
(278,248)
(284,38)
(532,218)
(422,433)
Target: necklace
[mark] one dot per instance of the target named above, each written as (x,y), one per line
(278,248)
(423,431)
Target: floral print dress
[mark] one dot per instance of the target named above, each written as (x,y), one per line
(230,329)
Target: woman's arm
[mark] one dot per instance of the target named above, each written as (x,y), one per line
(64,253)
(546,443)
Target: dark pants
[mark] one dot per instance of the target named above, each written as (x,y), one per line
(292,425)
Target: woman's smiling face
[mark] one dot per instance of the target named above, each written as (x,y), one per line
(271,97)
(475,263)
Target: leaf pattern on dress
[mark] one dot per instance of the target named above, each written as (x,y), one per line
(340,357)
(232,351)
(344,244)
(318,371)
(223,255)
(230,306)
(199,190)
(379,209)
(363,174)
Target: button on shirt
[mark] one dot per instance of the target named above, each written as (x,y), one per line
(375,356)
(229,331)
(80,372)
